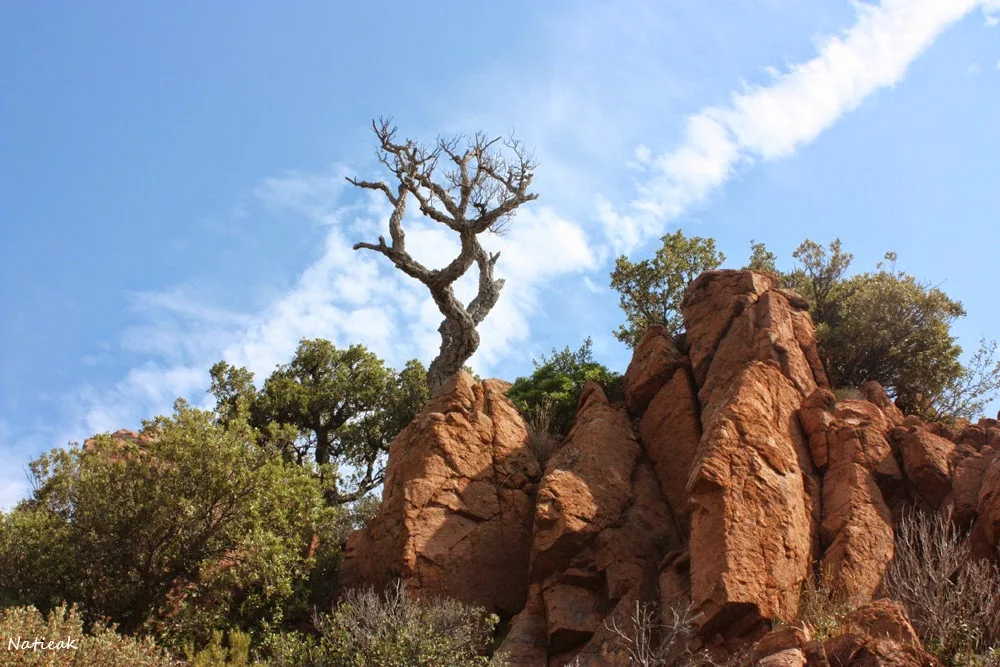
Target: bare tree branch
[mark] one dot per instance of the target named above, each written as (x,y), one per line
(480,193)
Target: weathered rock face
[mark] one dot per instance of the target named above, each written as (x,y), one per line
(730,476)
(752,519)
(736,317)
(670,429)
(457,504)
(848,443)
(601,527)
(926,460)
(655,361)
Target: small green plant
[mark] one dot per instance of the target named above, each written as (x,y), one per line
(848,394)
(821,610)
(237,654)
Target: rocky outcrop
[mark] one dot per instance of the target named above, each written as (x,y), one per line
(655,361)
(457,503)
(601,527)
(670,430)
(752,518)
(848,443)
(878,634)
(927,462)
(736,317)
(730,477)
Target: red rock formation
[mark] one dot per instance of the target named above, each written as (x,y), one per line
(457,503)
(848,442)
(601,528)
(655,361)
(878,634)
(926,460)
(670,430)
(736,317)
(752,522)
(733,476)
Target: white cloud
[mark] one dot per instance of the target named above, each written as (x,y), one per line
(973,69)
(773,121)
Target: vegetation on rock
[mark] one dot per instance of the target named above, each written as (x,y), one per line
(555,385)
(650,290)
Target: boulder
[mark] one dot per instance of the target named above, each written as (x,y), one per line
(875,393)
(926,460)
(457,503)
(654,362)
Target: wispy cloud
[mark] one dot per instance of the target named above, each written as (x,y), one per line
(773,121)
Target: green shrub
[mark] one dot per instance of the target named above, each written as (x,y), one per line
(101,646)
(197,529)
(556,383)
(235,654)
(392,630)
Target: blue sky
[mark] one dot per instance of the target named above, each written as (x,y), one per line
(173,187)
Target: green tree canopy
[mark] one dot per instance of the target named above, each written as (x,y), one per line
(650,291)
(194,529)
(556,383)
(344,406)
(890,327)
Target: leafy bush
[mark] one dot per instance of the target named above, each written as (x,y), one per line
(195,529)
(336,408)
(952,598)
(556,383)
(235,654)
(392,630)
(650,291)
(101,646)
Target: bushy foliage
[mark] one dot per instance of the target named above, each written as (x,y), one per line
(194,529)
(343,407)
(887,326)
(391,630)
(556,383)
(100,646)
(952,598)
(651,290)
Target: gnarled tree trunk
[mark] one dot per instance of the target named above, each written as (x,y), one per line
(480,194)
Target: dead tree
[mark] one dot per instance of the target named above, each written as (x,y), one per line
(479,192)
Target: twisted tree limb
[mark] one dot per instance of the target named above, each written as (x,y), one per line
(479,192)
